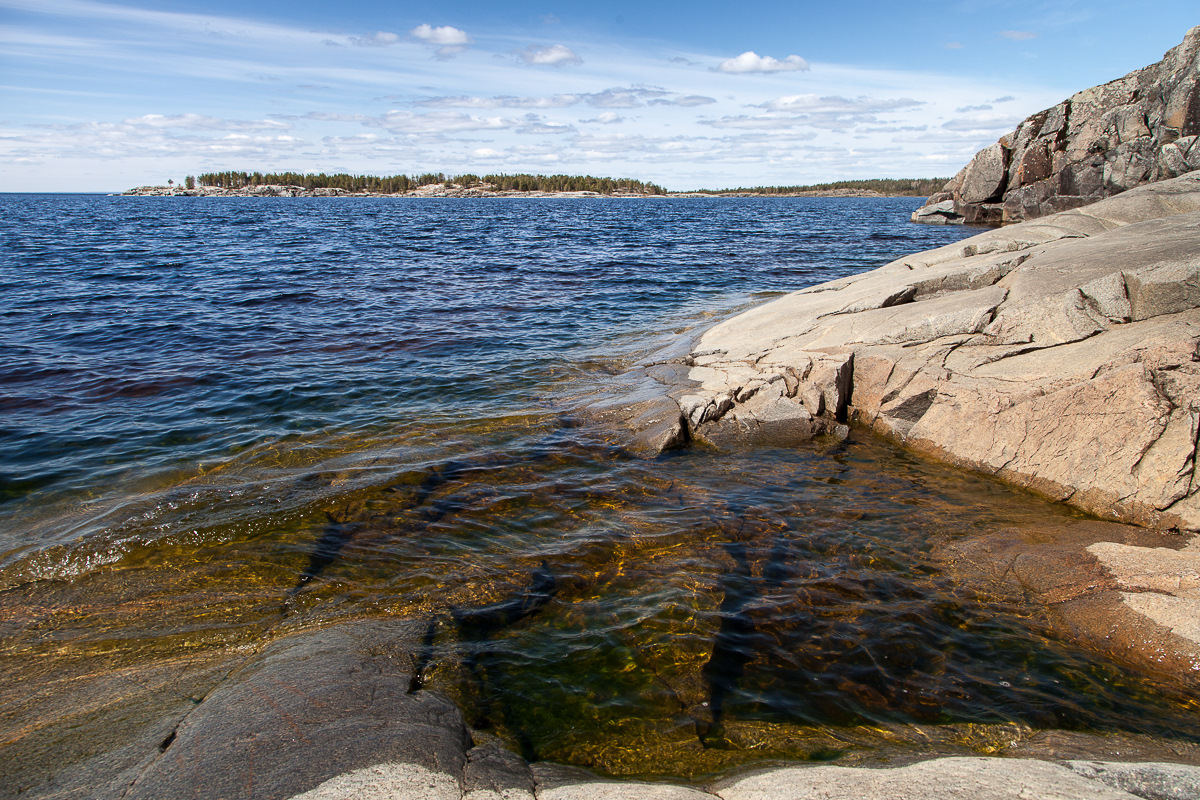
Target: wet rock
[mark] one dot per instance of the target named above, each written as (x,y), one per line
(1064,567)
(1102,141)
(88,736)
(651,421)
(312,707)
(939,213)
(1161,584)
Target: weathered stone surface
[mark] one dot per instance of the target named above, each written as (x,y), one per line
(557,782)
(310,708)
(494,773)
(941,779)
(985,176)
(87,736)
(1152,781)
(940,212)
(651,422)
(1102,141)
(387,782)
(1061,354)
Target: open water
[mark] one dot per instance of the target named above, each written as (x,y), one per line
(225,418)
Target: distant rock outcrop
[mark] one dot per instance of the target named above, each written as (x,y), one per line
(1138,129)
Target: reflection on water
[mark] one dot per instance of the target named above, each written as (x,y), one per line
(362,410)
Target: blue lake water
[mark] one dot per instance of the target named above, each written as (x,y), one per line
(220,416)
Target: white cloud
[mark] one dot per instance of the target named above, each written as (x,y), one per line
(449,40)
(619,97)
(1019,36)
(762,122)
(193,122)
(501,101)
(983,123)
(556,55)
(445,35)
(606,118)
(953,46)
(615,97)
(377,39)
(536,124)
(155,136)
(683,101)
(435,122)
(833,113)
(486,152)
(751,61)
(834,104)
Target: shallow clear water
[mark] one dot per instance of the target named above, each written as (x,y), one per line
(226,417)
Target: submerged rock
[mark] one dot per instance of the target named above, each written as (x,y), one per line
(1100,142)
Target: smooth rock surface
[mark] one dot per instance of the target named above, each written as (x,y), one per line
(386,782)
(942,779)
(1152,781)
(1098,143)
(317,712)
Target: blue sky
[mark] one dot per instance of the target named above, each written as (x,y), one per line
(102,96)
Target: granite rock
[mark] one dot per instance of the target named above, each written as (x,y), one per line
(327,713)
(1061,354)
(1100,142)
(940,779)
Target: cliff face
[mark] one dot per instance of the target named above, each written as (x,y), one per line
(1138,129)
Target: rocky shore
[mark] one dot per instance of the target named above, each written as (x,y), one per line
(1061,355)
(339,713)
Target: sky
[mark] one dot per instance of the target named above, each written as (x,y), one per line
(104,96)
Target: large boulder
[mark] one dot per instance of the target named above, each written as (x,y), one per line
(1138,129)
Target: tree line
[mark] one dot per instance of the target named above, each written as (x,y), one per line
(524,182)
(906,187)
(403,183)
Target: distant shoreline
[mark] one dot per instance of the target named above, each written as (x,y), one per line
(440,191)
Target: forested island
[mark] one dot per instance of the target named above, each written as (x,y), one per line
(438,184)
